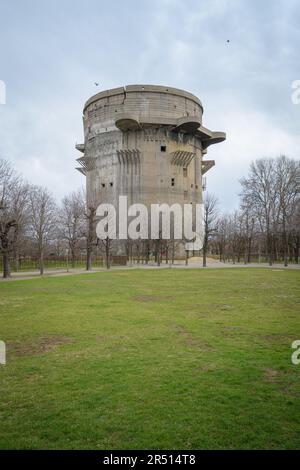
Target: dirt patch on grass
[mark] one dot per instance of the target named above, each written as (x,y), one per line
(101,338)
(225,307)
(12,302)
(282,381)
(37,346)
(152,298)
(272,375)
(277,337)
(233,331)
(266,285)
(190,340)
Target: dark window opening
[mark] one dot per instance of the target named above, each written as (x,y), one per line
(163,148)
(192,185)
(111,184)
(103,185)
(172,181)
(184,171)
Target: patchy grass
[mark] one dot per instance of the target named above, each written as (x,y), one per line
(157,359)
(37,346)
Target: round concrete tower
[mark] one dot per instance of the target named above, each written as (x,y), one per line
(145,142)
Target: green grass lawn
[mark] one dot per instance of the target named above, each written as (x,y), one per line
(172,358)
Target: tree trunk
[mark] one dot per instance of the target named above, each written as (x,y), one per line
(204,252)
(173,251)
(107,253)
(245,256)
(72,256)
(233,255)
(131,253)
(17,259)
(41,262)
(6,265)
(167,253)
(88,258)
(249,249)
(297,249)
(285,247)
(90,238)
(107,260)
(220,252)
(269,248)
(157,254)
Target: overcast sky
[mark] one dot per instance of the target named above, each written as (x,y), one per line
(52,52)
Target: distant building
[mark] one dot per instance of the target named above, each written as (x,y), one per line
(146,142)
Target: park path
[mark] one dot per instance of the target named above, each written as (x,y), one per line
(195,262)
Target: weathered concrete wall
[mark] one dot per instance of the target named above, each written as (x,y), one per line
(146,142)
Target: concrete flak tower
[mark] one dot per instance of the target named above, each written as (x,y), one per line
(145,142)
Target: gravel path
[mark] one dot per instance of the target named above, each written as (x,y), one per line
(193,263)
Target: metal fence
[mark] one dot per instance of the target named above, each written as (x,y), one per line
(32,263)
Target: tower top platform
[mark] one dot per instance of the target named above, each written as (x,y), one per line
(143,90)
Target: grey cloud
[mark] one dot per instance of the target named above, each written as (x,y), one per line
(53,52)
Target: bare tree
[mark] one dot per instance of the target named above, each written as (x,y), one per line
(287,174)
(43,217)
(106,245)
(234,236)
(71,221)
(210,216)
(247,225)
(259,192)
(158,247)
(91,240)
(221,237)
(270,193)
(294,229)
(92,202)
(106,238)
(13,207)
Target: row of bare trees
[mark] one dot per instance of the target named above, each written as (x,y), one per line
(266,227)
(31,222)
